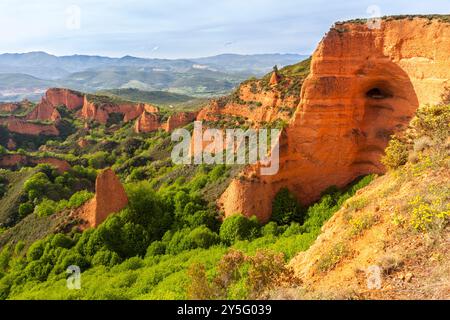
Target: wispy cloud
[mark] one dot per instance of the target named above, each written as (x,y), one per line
(182,28)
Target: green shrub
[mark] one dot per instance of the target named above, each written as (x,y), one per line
(217,172)
(36,250)
(38,270)
(286,209)
(79,198)
(60,240)
(5,257)
(147,209)
(100,160)
(202,237)
(396,154)
(105,258)
(75,259)
(270,229)
(156,248)
(133,263)
(433,121)
(238,227)
(187,239)
(25,209)
(46,208)
(19,247)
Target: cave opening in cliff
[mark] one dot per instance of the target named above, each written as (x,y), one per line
(378,93)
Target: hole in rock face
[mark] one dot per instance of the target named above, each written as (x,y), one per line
(378,93)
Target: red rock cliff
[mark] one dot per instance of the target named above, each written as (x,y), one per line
(147,122)
(54,97)
(364,85)
(179,119)
(110,197)
(66,97)
(19,125)
(100,111)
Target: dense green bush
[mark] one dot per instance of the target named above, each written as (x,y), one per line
(79,198)
(148,209)
(238,227)
(36,250)
(433,121)
(62,241)
(106,258)
(100,160)
(25,209)
(396,154)
(46,208)
(156,248)
(285,208)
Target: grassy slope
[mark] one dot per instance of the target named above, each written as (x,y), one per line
(374,228)
(10,201)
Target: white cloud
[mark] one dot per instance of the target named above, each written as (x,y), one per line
(183,28)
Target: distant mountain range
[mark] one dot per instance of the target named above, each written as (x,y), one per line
(27,75)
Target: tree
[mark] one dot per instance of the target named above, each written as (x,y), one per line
(25,209)
(285,208)
(46,208)
(238,227)
(2,150)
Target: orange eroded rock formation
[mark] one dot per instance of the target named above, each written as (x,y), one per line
(179,119)
(147,122)
(61,165)
(101,111)
(64,97)
(110,197)
(9,107)
(54,97)
(22,126)
(150,121)
(365,84)
(13,160)
(252,103)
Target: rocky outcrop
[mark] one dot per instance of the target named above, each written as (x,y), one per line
(150,108)
(274,79)
(71,99)
(12,160)
(179,119)
(365,84)
(15,160)
(150,122)
(101,110)
(22,126)
(44,111)
(83,143)
(60,165)
(9,107)
(256,102)
(147,122)
(47,109)
(110,197)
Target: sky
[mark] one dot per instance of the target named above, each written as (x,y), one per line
(184,28)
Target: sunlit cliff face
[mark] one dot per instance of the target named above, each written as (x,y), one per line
(387,101)
(365,84)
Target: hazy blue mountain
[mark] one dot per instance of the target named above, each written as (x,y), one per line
(33,72)
(256,63)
